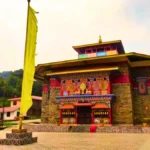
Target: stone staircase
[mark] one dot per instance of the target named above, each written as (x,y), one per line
(18,138)
(79,128)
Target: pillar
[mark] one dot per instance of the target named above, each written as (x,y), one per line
(76,115)
(92,116)
(45,101)
(110,115)
(54,112)
(60,116)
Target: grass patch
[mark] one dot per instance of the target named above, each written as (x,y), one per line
(9,123)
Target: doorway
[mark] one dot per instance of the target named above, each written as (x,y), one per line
(84,115)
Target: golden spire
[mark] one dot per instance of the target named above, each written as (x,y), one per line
(100,39)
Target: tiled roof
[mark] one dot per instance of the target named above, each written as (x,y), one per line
(67,107)
(100,106)
(8,109)
(33,98)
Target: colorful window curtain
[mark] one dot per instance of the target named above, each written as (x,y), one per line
(142,85)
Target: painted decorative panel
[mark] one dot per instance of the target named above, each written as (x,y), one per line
(91,55)
(45,88)
(85,86)
(82,56)
(101,54)
(111,52)
(54,82)
(142,85)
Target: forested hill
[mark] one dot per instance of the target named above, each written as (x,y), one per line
(11,83)
(5,74)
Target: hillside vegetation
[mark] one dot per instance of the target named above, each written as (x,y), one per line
(11,84)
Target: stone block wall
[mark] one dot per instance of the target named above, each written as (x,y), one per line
(45,108)
(122,105)
(140,102)
(54,111)
(50,110)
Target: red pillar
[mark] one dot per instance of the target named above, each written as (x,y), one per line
(76,115)
(109,88)
(110,115)
(61,116)
(92,116)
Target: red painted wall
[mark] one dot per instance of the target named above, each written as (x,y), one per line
(120,79)
(54,82)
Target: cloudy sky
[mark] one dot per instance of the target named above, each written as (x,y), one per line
(66,23)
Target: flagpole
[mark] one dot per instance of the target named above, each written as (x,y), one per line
(21,116)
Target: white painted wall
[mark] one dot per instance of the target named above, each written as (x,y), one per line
(17,101)
(12,115)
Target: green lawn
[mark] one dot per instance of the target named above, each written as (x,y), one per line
(9,123)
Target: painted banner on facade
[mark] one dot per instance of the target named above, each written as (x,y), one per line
(142,85)
(94,86)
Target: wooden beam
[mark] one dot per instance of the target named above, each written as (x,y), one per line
(140,63)
(50,73)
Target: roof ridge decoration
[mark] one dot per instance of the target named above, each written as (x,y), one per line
(100,39)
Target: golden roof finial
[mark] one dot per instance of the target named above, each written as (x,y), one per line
(100,39)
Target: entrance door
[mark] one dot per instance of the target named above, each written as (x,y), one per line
(84,115)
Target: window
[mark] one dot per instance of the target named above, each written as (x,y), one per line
(14,103)
(18,114)
(8,114)
(94,50)
(2,116)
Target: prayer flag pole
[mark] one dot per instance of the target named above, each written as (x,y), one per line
(21,136)
(21,117)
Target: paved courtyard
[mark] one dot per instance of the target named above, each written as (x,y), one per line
(84,141)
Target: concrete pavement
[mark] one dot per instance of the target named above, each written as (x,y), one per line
(84,141)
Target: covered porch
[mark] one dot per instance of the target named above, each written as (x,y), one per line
(85,109)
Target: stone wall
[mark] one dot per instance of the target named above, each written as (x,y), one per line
(45,108)
(122,105)
(140,102)
(50,109)
(54,111)
(122,111)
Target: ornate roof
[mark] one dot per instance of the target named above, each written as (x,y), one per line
(133,59)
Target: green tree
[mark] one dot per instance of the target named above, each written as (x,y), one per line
(18,73)
(1,86)
(13,86)
(37,88)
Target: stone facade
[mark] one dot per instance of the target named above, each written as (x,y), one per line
(50,109)
(141,103)
(127,108)
(54,111)
(122,105)
(122,112)
(45,108)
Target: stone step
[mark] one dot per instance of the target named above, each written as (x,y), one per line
(79,128)
(18,135)
(23,141)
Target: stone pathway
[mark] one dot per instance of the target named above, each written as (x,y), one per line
(84,141)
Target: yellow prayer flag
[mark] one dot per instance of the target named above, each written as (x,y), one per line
(29,62)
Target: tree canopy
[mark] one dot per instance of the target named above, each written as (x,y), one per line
(11,84)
